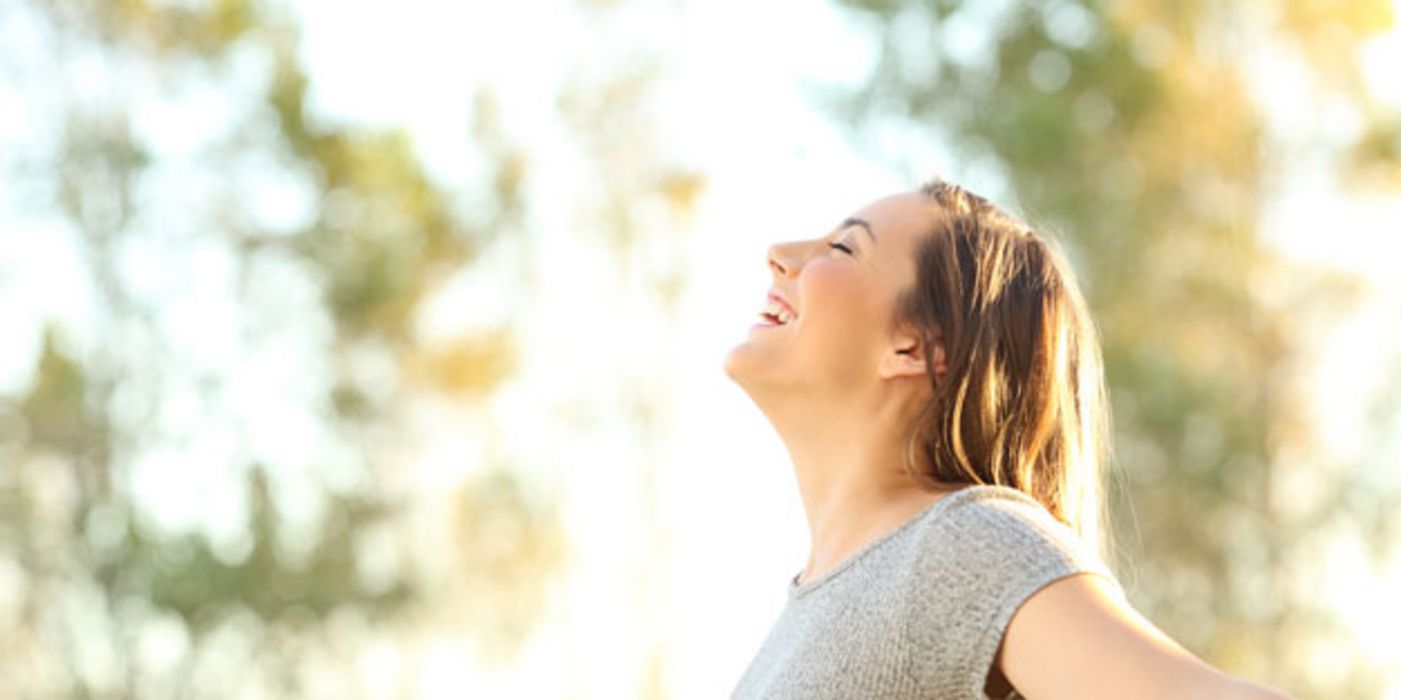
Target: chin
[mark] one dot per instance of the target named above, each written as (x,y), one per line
(753,375)
(732,365)
(744,366)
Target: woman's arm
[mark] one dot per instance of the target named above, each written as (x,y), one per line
(1078,638)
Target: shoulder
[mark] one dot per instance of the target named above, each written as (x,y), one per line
(987,548)
(986,554)
(1004,528)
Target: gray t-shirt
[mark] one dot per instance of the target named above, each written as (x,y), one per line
(920,611)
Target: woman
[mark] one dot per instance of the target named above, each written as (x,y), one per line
(932,370)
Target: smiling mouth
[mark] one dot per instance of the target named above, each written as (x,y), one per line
(775,313)
(768,320)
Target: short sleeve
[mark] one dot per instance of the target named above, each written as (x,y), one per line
(1004,548)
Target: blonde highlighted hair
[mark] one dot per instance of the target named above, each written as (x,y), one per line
(1023,402)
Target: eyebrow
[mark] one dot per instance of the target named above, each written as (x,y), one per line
(866,225)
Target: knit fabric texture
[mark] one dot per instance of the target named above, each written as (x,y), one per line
(920,611)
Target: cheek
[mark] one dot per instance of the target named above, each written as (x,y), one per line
(839,301)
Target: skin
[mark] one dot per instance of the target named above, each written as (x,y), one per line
(840,388)
(835,385)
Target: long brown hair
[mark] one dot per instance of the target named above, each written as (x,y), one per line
(1023,402)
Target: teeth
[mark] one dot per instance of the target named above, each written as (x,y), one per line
(778,311)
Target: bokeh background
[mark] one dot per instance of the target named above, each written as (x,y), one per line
(357,349)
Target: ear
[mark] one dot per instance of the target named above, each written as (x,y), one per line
(907,358)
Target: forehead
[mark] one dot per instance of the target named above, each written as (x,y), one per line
(900,216)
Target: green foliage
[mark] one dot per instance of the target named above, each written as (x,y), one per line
(54,408)
(382,238)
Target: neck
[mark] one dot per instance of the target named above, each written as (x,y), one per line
(848,458)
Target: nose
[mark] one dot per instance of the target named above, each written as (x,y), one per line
(777,262)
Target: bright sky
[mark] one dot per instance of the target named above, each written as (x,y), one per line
(731,107)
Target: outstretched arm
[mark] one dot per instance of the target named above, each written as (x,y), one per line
(1078,638)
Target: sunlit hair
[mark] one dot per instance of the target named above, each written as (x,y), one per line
(1023,402)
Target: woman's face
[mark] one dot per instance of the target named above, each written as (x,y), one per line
(842,288)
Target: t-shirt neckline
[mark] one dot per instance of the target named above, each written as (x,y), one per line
(796,590)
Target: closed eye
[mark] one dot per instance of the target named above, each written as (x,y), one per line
(841,246)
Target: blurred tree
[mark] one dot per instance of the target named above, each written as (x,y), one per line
(640,200)
(1130,131)
(113,603)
